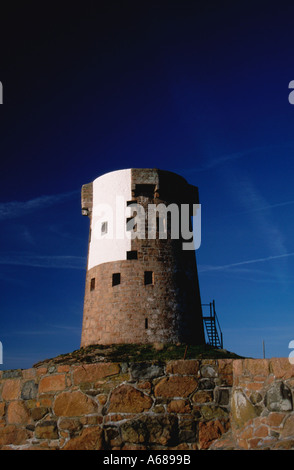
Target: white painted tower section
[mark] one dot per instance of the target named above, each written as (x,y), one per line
(109,241)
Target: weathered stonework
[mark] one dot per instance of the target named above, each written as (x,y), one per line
(262,414)
(171,405)
(168,308)
(106,405)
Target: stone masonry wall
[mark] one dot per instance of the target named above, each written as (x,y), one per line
(167,307)
(132,312)
(175,405)
(262,413)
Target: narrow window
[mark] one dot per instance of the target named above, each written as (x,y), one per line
(92,284)
(168,223)
(146,190)
(157,224)
(148,277)
(115,279)
(132,254)
(146,323)
(104,228)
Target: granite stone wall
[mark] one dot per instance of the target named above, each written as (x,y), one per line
(181,404)
(152,294)
(262,414)
(174,405)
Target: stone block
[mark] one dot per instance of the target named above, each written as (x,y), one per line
(187,429)
(11,389)
(206,384)
(222,396)
(183,367)
(282,368)
(275,419)
(261,431)
(209,412)
(175,386)
(12,434)
(94,372)
(29,374)
(91,438)
(257,367)
(279,397)
(112,437)
(38,412)
(46,430)
(12,374)
(160,429)
(208,371)
(29,390)
(127,399)
(17,413)
(288,428)
(179,406)
(202,396)
(210,431)
(241,409)
(52,383)
(143,370)
(74,403)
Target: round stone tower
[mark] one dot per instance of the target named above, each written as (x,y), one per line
(141,282)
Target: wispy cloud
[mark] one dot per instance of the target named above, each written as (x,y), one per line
(43,261)
(223,159)
(215,162)
(14,209)
(268,207)
(211,163)
(253,201)
(265,228)
(206,268)
(49,330)
(207,163)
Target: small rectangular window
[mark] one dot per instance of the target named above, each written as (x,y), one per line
(104,228)
(146,323)
(157,224)
(132,254)
(92,284)
(115,279)
(146,190)
(148,277)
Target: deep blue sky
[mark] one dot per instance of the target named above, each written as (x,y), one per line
(199,88)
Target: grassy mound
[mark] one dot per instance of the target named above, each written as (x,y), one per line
(139,353)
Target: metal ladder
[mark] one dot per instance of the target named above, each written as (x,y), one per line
(212,327)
